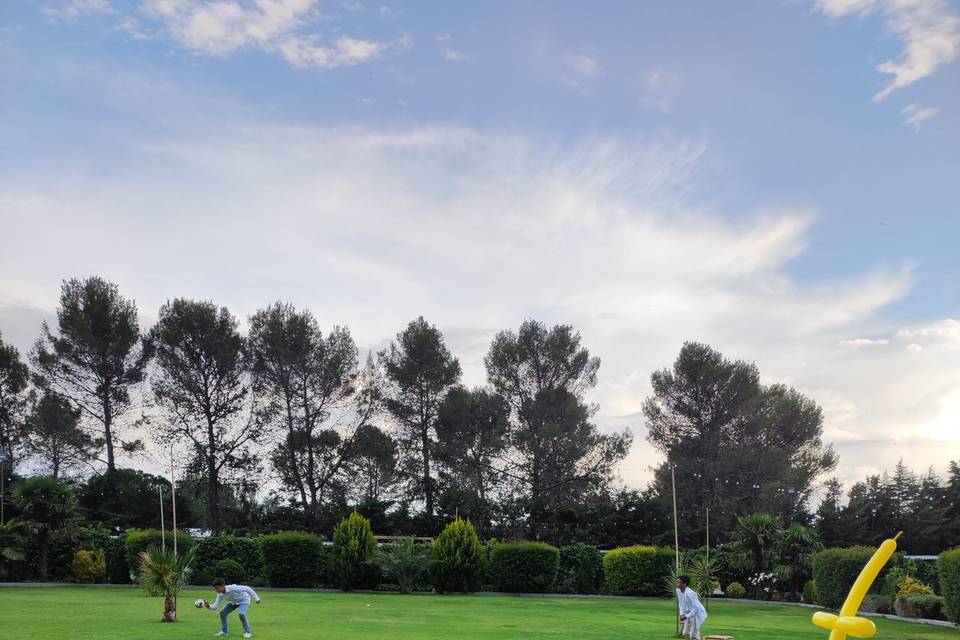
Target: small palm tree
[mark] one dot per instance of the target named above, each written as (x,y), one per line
(795,547)
(12,535)
(165,574)
(406,561)
(46,505)
(755,537)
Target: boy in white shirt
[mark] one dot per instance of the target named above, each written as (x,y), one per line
(237,597)
(692,613)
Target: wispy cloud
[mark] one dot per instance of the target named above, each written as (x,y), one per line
(281,27)
(447,52)
(928,29)
(915,115)
(583,65)
(76,8)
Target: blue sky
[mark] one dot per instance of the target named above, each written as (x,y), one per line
(777,178)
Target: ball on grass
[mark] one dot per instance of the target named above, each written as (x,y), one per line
(198,603)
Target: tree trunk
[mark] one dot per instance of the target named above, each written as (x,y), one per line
(44,539)
(427,484)
(169,609)
(107,430)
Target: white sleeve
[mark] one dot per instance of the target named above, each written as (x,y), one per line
(253,594)
(216,602)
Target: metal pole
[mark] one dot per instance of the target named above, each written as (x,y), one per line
(2,499)
(163,532)
(173,497)
(676,535)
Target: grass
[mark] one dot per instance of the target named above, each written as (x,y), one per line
(67,613)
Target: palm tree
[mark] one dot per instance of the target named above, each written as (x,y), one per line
(46,505)
(795,547)
(755,537)
(165,574)
(11,537)
(405,560)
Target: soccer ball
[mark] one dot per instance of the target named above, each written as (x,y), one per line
(198,603)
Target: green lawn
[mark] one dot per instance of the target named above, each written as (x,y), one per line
(115,614)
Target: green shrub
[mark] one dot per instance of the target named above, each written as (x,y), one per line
(948,568)
(88,566)
(138,540)
(810,594)
(735,590)
(352,557)
(836,569)
(524,567)
(876,603)
(459,559)
(928,607)
(293,559)
(404,564)
(230,570)
(118,572)
(212,550)
(637,571)
(581,569)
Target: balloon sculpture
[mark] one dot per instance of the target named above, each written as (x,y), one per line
(848,623)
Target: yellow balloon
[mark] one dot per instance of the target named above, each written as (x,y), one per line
(847,623)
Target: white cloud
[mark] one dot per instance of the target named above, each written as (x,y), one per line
(353,6)
(584,65)
(863,342)
(75,8)
(386,12)
(274,26)
(928,29)
(451,55)
(915,115)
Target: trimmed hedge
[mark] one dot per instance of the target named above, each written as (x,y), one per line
(212,550)
(118,571)
(637,571)
(351,560)
(835,570)
(138,540)
(293,559)
(460,560)
(581,569)
(928,607)
(948,569)
(524,567)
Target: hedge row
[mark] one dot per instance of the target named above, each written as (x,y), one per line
(835,570)
(638,570)
(948,568)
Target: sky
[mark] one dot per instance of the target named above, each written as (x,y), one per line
(778,179)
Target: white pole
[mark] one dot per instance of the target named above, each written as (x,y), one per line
(163,532)
(676,535)
(173,497)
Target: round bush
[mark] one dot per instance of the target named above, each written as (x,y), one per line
(637,571)
(354,549)
(524,567)
(735,590)
(948,569)
(910,586)
(293,559)
(230,570)
(810,594)
(88,566)
(836,569)
(460,560)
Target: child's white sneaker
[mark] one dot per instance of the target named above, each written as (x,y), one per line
(247,634)
(219,634)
